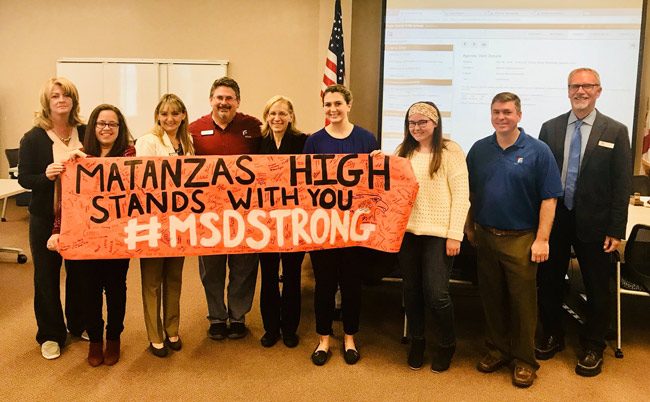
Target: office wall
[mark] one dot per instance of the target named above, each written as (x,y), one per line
(273,47)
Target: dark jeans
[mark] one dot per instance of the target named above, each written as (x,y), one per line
(47,295)
(101,276)
(337,268)
(426,270)
(280,310)
(595,266)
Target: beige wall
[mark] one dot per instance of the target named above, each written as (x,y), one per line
(273,48)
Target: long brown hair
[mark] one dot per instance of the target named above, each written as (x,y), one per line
(123,140)
(410,144)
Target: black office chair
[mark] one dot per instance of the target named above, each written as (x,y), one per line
(641,184)
(633,276)
(12,157)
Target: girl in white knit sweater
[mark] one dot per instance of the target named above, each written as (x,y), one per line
(434,231)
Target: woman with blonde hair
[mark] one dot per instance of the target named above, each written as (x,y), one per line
(57,130)
(162,277)
(280,311)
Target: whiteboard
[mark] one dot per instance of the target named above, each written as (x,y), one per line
(136,85)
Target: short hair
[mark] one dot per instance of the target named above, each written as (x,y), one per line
(43,118)
(291,128)
(123,140)
(347,95)
(225,82)
(175,103)
(584,69)
(503,97)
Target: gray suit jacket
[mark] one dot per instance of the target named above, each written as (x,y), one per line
(604,182)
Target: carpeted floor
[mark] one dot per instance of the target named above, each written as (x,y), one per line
(242,370)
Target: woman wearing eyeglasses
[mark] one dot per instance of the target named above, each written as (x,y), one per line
(338,268)
(57,130)
(280,308)
(106,136)
(434,231)
(162,277)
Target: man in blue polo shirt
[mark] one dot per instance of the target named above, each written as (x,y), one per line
(514,184)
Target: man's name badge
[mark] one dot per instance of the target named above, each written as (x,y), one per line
(606,144)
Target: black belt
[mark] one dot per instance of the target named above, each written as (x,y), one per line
(501,232)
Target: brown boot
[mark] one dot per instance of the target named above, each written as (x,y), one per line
(95,353)
(112,352)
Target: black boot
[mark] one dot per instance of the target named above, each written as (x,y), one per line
(416,353)
(442,358)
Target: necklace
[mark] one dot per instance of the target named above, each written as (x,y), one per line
(65,140)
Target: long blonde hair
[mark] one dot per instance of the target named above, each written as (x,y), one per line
(43,118)
(176,104)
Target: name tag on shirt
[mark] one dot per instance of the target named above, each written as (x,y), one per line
(606,144)
(207,132)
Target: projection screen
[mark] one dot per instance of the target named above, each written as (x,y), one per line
(459,57)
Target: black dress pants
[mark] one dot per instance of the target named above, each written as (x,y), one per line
(595,266)
(99,277)
(47,294)
(281,310)
(333,269)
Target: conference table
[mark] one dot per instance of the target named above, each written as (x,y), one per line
(8,188)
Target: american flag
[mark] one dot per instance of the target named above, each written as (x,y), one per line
(334,72)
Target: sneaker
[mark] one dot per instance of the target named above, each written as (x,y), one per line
(218,331)
(50,350)
(84,336)
(416,354)
(237,330)
(442,358)
(590,365)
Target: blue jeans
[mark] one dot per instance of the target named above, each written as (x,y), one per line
(426,270)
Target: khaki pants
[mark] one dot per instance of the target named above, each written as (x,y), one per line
(161,284)
(508,288)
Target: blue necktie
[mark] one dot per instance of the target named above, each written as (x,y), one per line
(574,166)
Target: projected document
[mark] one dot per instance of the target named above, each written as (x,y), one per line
(460,58)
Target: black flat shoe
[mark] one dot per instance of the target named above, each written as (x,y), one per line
(176,346)
(269,339)
(320,357)
(351,356)
(162,352)
(290,340)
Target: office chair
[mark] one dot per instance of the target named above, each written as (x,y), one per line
(633,277)
(641,184)
(12,157)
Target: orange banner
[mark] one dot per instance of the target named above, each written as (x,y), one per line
(160,207)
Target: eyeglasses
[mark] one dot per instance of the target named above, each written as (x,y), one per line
(283,115)
(586,87)
(419,123)
(111,124)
